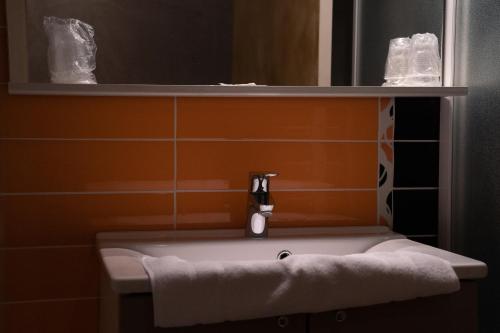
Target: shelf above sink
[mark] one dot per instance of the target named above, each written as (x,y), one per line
(229,91)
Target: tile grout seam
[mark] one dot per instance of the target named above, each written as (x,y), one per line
(393,102)
(47,247)
(210,140)
(48,300)
(193,139)
(378,161)
(175,166)
(345,189)
(422,235)
(420,188)
(86,193)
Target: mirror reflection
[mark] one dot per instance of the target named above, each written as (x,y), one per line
(266,42)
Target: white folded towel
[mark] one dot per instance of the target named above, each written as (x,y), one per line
(188,293)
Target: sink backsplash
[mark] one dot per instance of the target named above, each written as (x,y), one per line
(74,166)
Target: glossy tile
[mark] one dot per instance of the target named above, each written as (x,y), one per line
(278,118)
(51,166)
(4,58)
(209,210)
(225,165)
(50,273)
(416,212)
(75,316)
(85,117)
(343,208)
(41,220)
(416,164)
(417,118)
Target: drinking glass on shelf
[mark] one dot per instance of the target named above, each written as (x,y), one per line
(396,66)
(424,62)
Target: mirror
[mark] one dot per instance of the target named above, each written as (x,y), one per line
(207,42)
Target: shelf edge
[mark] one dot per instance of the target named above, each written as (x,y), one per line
(48,89)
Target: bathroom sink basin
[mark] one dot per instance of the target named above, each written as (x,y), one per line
(121,252)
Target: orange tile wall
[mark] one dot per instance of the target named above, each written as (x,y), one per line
(74,166)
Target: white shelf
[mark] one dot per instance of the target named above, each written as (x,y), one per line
(229,91)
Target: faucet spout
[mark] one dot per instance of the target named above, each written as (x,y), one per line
(260,205)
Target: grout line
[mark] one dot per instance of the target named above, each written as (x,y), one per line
(412,141)
(378,160)
(274,140)
(175,165)
(213,191)
(415,188)
(355,189)
(393,151)
(85,193)
(92,139)
(284,190)
(47,247)
(190,140)
(209,140)
(51,300)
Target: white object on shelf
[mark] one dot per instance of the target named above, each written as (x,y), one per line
(413,62)
(396,66)
(72,50)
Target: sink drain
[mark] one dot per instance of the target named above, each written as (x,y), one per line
(283,254)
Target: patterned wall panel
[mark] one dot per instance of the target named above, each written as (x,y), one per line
(386,161)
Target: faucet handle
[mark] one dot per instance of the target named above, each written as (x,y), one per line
(259,181)
(271,174)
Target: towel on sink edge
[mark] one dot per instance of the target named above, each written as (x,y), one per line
(188,293)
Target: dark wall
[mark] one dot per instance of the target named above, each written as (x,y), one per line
(156,42)
(342,42)
(476,205)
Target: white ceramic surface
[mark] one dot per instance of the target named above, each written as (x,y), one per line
(121,252)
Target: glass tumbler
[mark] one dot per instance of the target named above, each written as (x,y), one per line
(396,66)
(424,64)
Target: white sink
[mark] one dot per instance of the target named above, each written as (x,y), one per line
(121,252)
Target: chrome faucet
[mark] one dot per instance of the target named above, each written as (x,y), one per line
(260,204)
